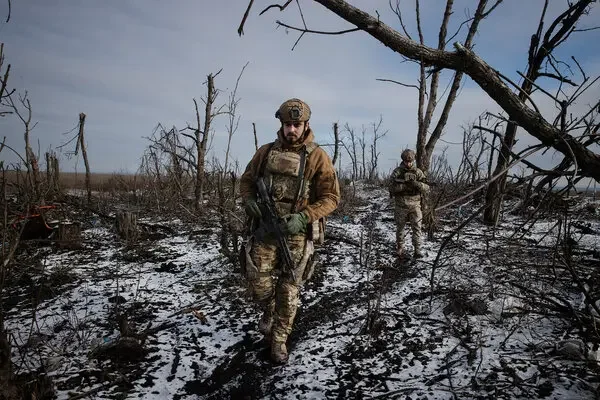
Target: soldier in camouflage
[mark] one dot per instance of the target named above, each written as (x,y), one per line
(303,184)
(406,185)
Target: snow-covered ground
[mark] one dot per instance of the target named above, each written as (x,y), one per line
(462,325)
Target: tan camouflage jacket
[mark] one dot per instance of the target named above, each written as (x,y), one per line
(407,184)
(319,171)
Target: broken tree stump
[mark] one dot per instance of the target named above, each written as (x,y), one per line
(126,225)
(69,235)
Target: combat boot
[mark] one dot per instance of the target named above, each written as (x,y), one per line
(279,353)
(399,251)
(265,324)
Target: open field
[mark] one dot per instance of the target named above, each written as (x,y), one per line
(76,180)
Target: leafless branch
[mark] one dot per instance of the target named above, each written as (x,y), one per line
(580,69)
(281,8)
(533,149)
(554,76)
(397,83)
(488,12)
(303,30)
(538,87)
(523,92)
(398,13)
(240,30)
(586,29)
(466,61)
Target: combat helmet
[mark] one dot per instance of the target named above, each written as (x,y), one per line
(293,110)
(408,155)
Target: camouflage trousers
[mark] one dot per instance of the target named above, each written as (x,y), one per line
(275,290)
(408,213)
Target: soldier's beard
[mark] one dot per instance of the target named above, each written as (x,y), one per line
(291,139)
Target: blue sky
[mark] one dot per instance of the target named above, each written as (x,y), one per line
(132,64)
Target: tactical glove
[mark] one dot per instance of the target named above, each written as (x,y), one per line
(252,208)
(294,223)
(414,184)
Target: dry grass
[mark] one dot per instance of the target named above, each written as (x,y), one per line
(76,180)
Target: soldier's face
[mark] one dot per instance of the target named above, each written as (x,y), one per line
(293,131)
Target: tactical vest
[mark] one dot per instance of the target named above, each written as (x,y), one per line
(407,189)
(284,176)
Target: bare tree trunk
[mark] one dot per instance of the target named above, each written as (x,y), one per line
(55,174)
(227,203)
(424,160)
(352,151)
(31,162)
(52,174)
(201,142)
(175,172)
(374,153)
(81,143)
(363,144)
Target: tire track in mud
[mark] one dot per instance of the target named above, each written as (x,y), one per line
(249,374)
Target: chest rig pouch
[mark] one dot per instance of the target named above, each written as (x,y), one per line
(284,173)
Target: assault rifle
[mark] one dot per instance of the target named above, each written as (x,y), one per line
(269,223)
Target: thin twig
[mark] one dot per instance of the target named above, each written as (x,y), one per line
(281,8)
(317,32)
(397,83)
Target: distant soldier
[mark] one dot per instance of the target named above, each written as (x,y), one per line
(406,185)
(301,187)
